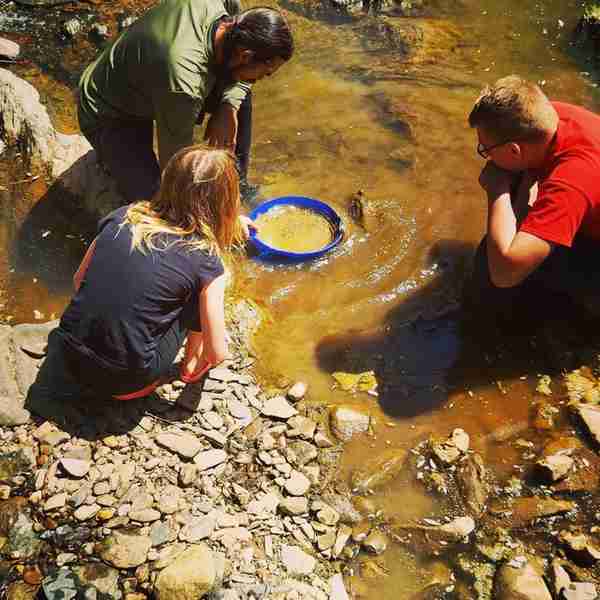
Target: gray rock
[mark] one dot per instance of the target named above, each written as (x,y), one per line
(61,585)
(75,467)
(161,533)
(186,445)
(302,427)
(168,500)
(278,408)
(55,502)
(300,453)
(199,528)
(190,576)
(85,512)
(348,421)
(146,515)
(209,459)
(579,591)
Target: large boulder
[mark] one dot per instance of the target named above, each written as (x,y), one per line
(61,158)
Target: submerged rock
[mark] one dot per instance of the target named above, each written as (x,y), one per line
(448,450)
(348,421)
(522,511)
(125,550)
(590,415)
(580,548)
(471,478)
(379,470)
(434,539)
(363,212)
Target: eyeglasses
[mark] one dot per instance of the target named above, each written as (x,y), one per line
(484,151)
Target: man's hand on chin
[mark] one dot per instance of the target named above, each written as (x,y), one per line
(496,181)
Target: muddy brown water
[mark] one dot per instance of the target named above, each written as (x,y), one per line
(349,113)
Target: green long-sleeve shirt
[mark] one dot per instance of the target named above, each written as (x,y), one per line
(162,68)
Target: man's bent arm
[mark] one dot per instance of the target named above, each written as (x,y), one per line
(512,255)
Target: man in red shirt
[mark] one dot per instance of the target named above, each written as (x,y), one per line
(542,180)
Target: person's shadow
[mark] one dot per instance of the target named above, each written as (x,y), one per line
(431,344)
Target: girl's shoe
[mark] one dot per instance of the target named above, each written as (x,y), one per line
(195,375)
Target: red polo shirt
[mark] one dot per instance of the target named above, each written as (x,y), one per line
(568,201)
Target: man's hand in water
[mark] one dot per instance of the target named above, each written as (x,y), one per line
(246,223)
(496,181)
(221,130)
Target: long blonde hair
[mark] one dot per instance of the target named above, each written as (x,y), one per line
(198,201)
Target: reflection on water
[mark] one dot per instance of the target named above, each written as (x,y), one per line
(349,113)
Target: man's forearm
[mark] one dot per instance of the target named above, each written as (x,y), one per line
(502,228)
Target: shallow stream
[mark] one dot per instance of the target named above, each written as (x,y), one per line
(351,113)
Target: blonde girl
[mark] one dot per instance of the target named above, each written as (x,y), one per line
(152,277)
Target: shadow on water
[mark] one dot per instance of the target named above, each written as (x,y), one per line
(423,351)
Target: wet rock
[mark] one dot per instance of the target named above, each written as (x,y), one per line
(278,408)
(375,543)
(363,212)
(379,470)
(434,538)
(481,574)
(296,561)
(344,507)
(522,511)
(543,417)
(101,577)
(297,391)
(519,578)
(125,550)
(348,421)
(563,445)
(590,416)
(471,478)
(61,585)
(12,463)
(17,530)
(579,548)
(581,388)
(449,450)
(356,382)
(9,49)
(190,576)
(555,467)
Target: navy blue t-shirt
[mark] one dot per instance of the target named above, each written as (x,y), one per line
(128,300)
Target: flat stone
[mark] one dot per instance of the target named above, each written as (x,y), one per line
(55,502)
(302,427)
(187,446)
(296,561)
(278,408)
(520,579)
(590,415)
(146,515)
(161,533)
(223,374)
(298,484)
(168,500)
(188,475)
(209,459)
(337,589)
(85,512)
(556,467)
(75,467)
(239,410)
(579,591)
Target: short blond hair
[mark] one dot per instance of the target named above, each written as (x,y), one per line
(514,109)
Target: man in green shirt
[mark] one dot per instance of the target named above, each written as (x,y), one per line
(181,59)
